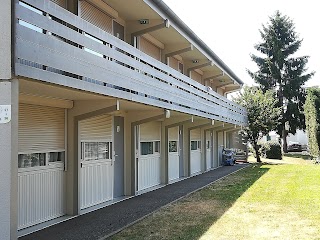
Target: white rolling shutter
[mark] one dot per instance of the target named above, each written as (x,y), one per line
(96,129)
(41,128)
(149,48)
(195,134)
(150,131)
(196,76)
(93,15)
(174,63)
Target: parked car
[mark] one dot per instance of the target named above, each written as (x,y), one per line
(294,147)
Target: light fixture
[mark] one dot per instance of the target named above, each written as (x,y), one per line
(144,21)
(195,61)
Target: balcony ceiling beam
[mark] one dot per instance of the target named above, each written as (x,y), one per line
(210,63)
(165,24)
(180,51)
(214,77)
(224,84)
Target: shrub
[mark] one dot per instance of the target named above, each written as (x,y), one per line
(271,150)
(312,113)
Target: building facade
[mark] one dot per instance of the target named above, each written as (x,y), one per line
(101,100)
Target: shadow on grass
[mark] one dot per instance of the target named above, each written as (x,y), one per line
(298,155)
(225,194)
(192,216)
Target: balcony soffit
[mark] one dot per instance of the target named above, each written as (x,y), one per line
(137,9)
(132,10)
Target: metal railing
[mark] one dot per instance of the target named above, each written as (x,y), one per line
(56,46)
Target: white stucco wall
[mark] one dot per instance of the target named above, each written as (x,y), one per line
(5,39)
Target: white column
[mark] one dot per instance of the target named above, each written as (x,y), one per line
(9,96)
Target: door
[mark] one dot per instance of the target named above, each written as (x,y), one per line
(149,165)
(195,151)
(96,161)
(208,150)
(41,160)
(173,153)
(118,30)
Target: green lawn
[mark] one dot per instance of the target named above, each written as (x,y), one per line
(263,201)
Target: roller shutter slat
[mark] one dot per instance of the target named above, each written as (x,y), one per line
(41,128)
(93,15)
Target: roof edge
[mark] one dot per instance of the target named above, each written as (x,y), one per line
(174,17)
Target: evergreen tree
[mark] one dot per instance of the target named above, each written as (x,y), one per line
(281,71)
(263,115)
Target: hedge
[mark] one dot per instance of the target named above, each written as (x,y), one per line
(271,150)
(312,114)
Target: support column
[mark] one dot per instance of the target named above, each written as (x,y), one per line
(203,140)
(164,154)
(9,95)
(186,151)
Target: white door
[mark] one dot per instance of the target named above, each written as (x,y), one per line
(173,154)
(149,164)
(208,150)
(41,175)
(96,161)
(195,151)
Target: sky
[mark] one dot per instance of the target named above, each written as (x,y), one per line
(231,29)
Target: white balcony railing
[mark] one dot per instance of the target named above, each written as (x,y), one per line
(56,46)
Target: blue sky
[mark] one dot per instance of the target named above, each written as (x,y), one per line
(231,28)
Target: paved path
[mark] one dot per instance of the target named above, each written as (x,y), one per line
(105,221)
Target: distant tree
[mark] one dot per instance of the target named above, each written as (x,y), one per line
(312,112)
(279,70)
(263,115)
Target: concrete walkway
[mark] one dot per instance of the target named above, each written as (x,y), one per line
(106,221)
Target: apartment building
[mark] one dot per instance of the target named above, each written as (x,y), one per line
(101,100)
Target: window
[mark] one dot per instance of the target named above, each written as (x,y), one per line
(146,148)
(173,146)
(194,145)
(31,160)
(208,144)
(157,146)
(56,157)
(96,151)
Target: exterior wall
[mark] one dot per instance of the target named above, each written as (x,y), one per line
(9,95)
(5,39)
(220,91)
(196,76)
(61,3)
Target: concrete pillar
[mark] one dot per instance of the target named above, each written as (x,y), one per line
(9,95)
(164,154)
(186,151)
(5,39)
(203,150)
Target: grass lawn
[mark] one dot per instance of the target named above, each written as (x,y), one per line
(262,201)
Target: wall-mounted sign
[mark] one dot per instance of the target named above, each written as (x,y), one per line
(5,113)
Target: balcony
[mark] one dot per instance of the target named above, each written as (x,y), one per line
(55,46)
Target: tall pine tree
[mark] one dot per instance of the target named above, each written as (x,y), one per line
(282,71)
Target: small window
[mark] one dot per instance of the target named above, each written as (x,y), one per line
(194,145)
(96,150)
(173,146)
(56,157)
(157,146)
(146,148)
(208,144)
(31,160)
